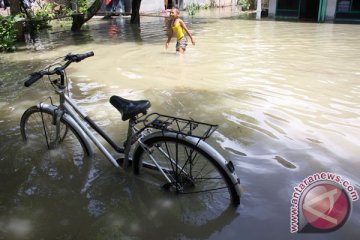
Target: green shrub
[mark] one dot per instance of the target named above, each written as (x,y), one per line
(7,33)
(245,4)
(82,5)
(42,16)
(192,8)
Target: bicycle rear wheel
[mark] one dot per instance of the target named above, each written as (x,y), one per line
(200,182)
(39,131)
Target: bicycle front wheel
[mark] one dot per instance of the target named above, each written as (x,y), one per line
(200,182)
(38,129)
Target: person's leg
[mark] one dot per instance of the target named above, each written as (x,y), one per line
(115,5)
(180,50)
(181,45)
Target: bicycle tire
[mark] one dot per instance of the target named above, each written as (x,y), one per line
(38,130)
(204,181)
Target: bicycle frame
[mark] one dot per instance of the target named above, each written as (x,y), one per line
(68,107)
(77,117)
(146,131)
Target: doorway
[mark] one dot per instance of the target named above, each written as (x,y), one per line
(309,10)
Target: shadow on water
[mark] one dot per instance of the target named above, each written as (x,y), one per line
(88,199)
(139,211)
(100,31)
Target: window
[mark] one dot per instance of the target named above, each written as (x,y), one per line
(348,5)
(344,5)
(348,10)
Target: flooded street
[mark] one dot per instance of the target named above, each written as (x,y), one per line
(286,96)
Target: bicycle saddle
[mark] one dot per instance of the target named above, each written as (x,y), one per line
(129,108)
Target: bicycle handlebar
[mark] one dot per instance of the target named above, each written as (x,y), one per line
(32,78)
(78,57)
(69,58)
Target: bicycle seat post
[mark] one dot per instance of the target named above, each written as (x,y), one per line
(128,143)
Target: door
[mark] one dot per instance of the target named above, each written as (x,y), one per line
(322,10)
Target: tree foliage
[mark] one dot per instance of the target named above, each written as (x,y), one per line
(245,4)
(7,33)
(30,20)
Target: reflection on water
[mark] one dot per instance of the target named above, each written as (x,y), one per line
(286,97)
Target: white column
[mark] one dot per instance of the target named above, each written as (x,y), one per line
(258,10)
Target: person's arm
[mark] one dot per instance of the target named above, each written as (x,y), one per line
(170,34)
(183,25)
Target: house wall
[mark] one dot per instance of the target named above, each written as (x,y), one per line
(157,5)
(151,6)
(218,3)
(272,8)
(330,9)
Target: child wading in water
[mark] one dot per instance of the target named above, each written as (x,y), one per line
(179,28)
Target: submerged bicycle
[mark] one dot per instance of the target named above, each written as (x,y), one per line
(167,151)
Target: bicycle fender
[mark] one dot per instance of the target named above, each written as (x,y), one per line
(73,124)
(226,165)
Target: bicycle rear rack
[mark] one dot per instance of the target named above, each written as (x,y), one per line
(187,127)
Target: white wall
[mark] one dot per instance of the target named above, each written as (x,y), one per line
(151,6)
(272,8)
(330,9)
(148,6)
(221,3)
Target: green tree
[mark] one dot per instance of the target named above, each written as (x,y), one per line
(7,33)
(15,10)
(84,12)
(245,4)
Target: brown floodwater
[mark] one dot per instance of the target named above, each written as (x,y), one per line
(285,96)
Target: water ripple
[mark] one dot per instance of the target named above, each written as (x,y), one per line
(285,96)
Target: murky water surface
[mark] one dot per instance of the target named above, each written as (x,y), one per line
(285,94)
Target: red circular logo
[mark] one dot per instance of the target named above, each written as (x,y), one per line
(325,206)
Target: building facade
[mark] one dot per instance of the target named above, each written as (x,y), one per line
(316,10)
(149,6)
